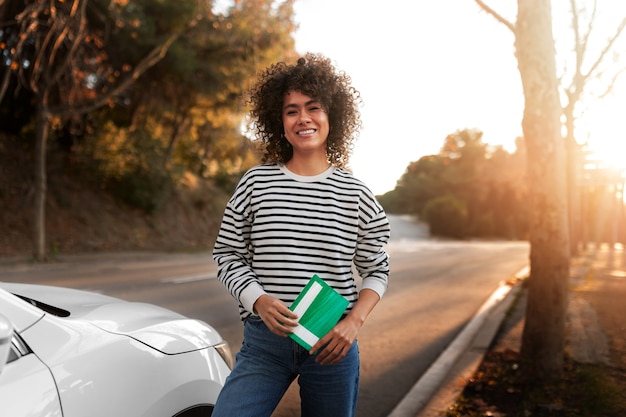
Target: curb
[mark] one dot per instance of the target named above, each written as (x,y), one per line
(441,384)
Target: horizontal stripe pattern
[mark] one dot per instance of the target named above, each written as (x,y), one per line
(279,229)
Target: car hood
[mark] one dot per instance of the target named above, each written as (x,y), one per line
(155,326)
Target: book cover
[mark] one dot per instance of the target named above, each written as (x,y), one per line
(319,307)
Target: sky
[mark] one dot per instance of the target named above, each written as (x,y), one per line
(426,69)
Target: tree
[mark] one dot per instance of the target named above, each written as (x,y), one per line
(421,182)
(58,55)
(187,110)
(446,216)
(197,88)
(467,155)
(487,181)
(504,207)
(543,338)
(585,77)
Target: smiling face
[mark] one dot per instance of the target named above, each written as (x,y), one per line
(306,125)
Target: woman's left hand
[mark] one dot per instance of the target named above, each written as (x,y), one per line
(335,345)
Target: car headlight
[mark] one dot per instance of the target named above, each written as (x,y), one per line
(224,351)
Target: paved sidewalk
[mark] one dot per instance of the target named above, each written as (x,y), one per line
(596,327)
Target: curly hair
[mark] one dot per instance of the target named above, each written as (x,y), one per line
(315,76)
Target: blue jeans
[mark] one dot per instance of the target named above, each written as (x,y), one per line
(267,364)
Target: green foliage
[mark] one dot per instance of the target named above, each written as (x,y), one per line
(597,392)
(183,115)
(446,216)
(226,181)
(194,94)
(129,165)
(142,188)
(489,183)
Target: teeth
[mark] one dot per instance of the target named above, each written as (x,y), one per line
(306,132)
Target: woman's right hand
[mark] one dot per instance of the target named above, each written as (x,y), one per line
(275,314)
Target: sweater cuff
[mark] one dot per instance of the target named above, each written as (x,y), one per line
(375,285)
(249,296)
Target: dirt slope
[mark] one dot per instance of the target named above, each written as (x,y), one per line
(83,219)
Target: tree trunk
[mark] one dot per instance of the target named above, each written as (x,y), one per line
(39,229)
(543,337)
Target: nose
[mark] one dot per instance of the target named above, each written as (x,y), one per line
(304,117)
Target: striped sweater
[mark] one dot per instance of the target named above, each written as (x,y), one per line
(280,228)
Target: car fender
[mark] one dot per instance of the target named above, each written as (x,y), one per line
(136,371)
(30,382)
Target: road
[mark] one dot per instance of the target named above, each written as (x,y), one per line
(435,288)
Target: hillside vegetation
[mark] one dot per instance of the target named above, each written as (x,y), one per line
(81,218)
(131,104)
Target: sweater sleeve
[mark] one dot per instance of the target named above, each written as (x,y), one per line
(371,259)
(233,257)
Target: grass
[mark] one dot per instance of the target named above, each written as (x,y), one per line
(498,389)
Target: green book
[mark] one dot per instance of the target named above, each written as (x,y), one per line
(319,307)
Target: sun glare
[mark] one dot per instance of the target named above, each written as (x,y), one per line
(605,134)
(606,141)
(610,151)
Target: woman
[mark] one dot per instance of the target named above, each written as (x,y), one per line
(300,213)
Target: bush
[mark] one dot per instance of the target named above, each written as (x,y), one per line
(143,189)
(447,216)
(129,165)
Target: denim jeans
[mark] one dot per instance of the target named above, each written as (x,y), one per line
(267,364)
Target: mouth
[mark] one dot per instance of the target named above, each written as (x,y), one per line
(306,132)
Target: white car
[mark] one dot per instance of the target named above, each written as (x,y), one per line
(72,353)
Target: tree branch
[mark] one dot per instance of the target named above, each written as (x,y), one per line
(610,86)
(156,55)
(76,41)
(607,48)
(496,15)
(580,79)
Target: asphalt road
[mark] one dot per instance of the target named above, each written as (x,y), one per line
(435,288)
